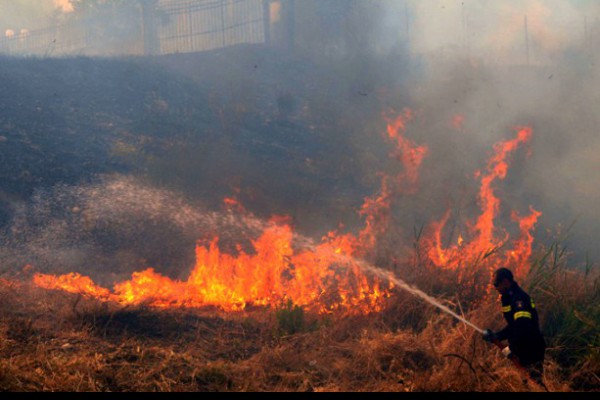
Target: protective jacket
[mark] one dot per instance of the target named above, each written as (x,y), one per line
(523,333)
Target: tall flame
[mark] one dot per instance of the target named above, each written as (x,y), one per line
(486,240)
(376,209)
(324,277)
(409,154)
(275,271)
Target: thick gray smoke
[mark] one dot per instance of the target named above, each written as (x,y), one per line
(501,31)
(500,64)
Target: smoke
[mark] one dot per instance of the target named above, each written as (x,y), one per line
(475,70)
(493,65)
(64,5)
(497,31)
(30,14)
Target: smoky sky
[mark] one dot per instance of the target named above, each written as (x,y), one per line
(495,29)
(501,64)
(16,15)
(491,28)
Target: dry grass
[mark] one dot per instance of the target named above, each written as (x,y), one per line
(53,341)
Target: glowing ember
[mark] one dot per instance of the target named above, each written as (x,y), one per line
(458,122)
(486,240)
(6,283)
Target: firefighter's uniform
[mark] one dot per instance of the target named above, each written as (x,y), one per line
(525,339)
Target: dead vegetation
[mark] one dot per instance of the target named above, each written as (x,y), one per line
(54,341)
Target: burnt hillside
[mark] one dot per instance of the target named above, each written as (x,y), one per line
(208,125)
(277,132)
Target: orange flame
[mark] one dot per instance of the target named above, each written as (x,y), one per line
(324,277)
(7,283)
(72,283)
(233,204)
(519,257)
(273,274)
(485,243)
(376,209)
(276,271)
(409,154)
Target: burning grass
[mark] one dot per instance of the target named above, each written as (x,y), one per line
(275,271)
(314,317)
(57,341)
(285,313)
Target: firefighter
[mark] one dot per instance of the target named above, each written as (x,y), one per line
(525,341)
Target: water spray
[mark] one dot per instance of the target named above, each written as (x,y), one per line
(387,275)
(308,243)
(416,292)
(419,293)
(434,302)
(114,200)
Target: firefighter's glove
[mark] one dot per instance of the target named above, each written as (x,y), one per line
(507,353)
(489,336)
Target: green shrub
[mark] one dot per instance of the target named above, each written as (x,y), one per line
(569,302)
(290,319)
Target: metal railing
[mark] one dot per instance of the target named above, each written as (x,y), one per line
(204,25)
(178,26)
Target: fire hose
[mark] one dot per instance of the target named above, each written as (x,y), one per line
(436,303)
